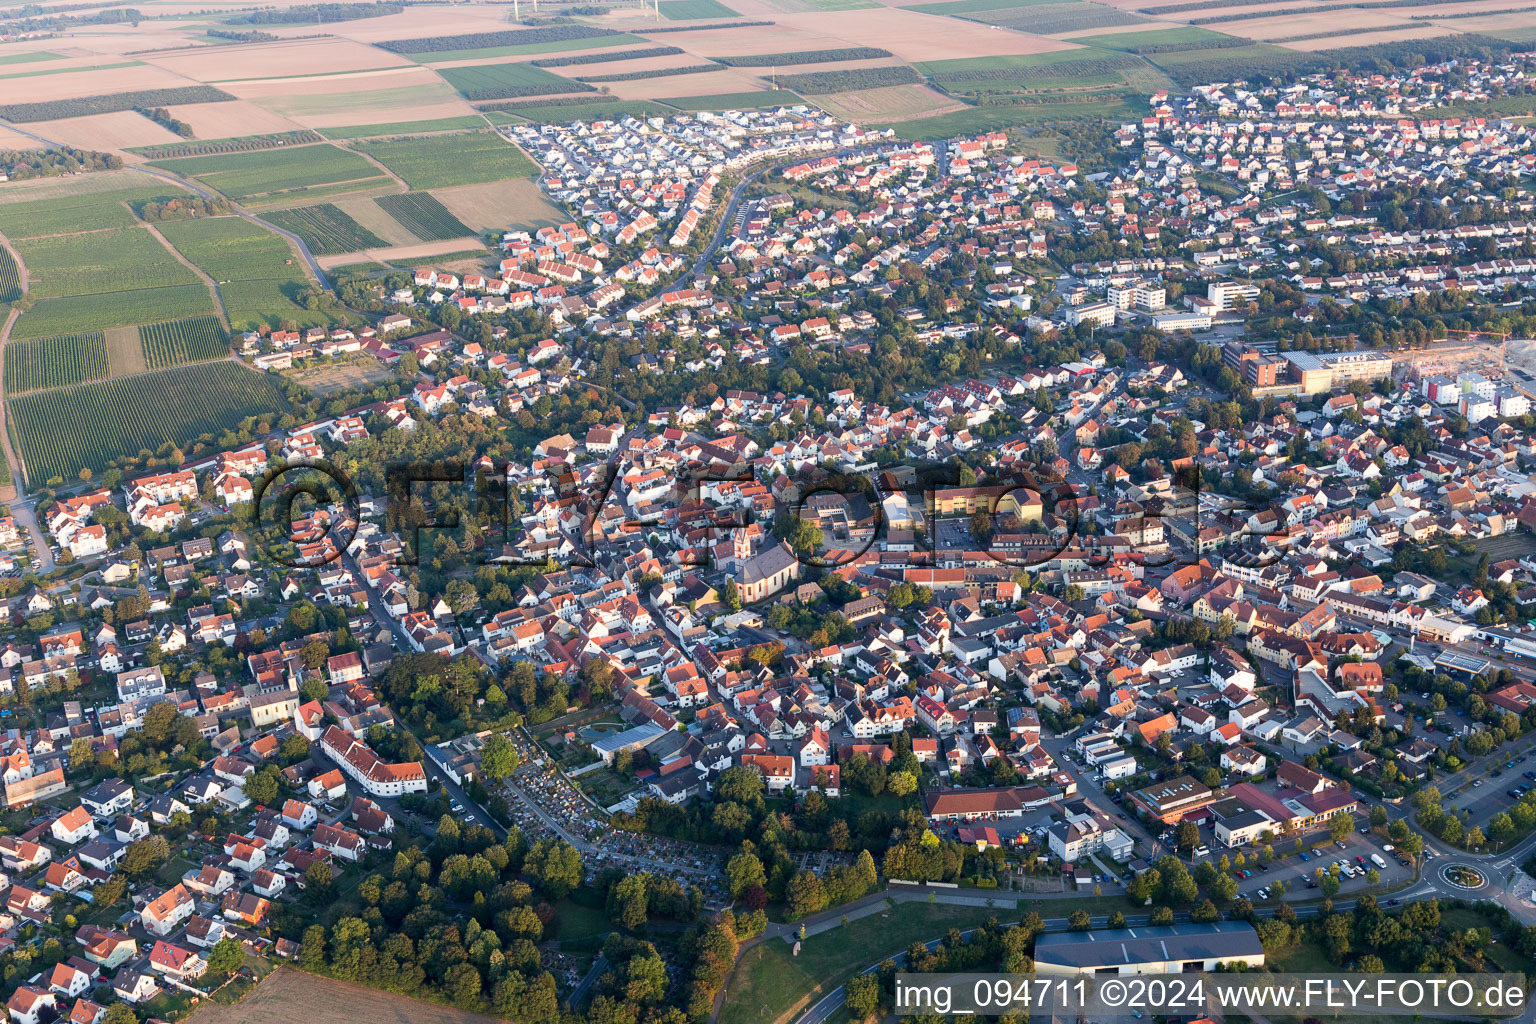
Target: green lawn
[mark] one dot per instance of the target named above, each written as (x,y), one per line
(770,984)
(439,161)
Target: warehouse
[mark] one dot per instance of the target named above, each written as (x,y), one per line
(1169,949)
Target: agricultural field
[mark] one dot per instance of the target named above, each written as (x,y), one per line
(1054,18)
(422,215)
(278,172)
(1188,37)
(29,58)
(10,278)
(87,211)
(440,161)
(330,378)
(734,100)
(100,312)
(326,229)
(960,8)
(213,147)
(1204,65)
(853,78)
(100,262)
(535,111)
(507,81)
(440,124)
(257,275)
(1060,69)
(183,341)
(86,106)
(509,37)
(768,60)
(55,362)
(694,10)
(121,418)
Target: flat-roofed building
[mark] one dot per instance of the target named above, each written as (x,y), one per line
(1168,949)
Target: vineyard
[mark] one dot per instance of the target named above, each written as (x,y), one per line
(174,342)
(271,171)
(103,261)
(55,362)
(326,229)
(255,271)
(769,60)
(704,28)
(423,216)
(314,14)
(1054,18)
(440,161)
(87,211)
(111,103)
(79,314)
(480,40)
(508,81)
(10,277)
(242,144)
(113,420)
(694,10)
(1008,74)
(853,78)
(635,76)
(606,56)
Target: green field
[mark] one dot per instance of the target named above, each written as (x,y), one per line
(55,362)
(257,275)
(771,984)
(10,278)
(525,49)
(735,100)
(183,341)
(1063,69)
(1052,18)
(277,171)
(959,8)
(441,124)
(116,419)
(440,161)
(1187,35)
(612,109)
(79,314)
(28,58)
(974,120)
(100,262)
(326,229)
(87,211)
(694,10)
(503,81)
(422,215)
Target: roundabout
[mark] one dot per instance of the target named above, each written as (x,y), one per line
(1463,876)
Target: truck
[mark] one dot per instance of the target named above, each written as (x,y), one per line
(1376,859)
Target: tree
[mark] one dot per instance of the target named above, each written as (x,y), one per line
(862,996)
(120,1013)
(805,894)
(226,957)
(730,597)
(901,783)
(498,759)
(1188,835)
(626,902)
(145,856)
(555,865)
(317,884)
(1341,825)
(743,871)
(262,787)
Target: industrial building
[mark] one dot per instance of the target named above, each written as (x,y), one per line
(1168,949)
